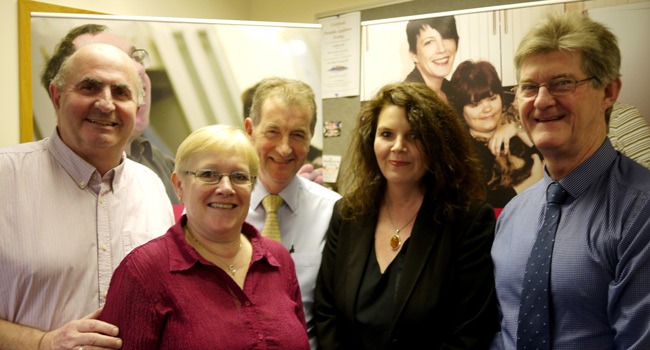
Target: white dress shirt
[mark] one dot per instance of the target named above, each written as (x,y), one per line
(304,218)
(64,229)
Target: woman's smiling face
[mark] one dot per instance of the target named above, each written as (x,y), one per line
(434,55)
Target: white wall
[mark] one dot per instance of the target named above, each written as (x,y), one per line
(303,11)
(9,132)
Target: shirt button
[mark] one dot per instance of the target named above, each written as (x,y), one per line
(247,303)
(260,336)
(104,294)
(101,200)
(104,247)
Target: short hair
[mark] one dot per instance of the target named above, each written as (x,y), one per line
(61,77)
(573,32)
(473,81)
(220,139)
(453,168)
(64,49)
(247,100)
(292,92)
(445,25)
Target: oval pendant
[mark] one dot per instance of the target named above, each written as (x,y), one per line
(395,242)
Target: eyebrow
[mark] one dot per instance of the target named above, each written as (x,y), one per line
(95,81)
(90,80)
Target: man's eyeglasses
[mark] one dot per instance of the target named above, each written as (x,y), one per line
(213,177)
(141,56)
(556,87)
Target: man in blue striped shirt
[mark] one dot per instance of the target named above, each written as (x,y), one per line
(568,72)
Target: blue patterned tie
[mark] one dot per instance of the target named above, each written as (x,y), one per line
(533,330)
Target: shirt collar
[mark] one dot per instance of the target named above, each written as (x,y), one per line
(289,194)
(584,175)
(79,170)
(182,256)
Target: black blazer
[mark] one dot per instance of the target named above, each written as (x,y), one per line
(446,298)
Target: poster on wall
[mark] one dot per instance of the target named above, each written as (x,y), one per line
(448,51)
(198,68)
(340,55)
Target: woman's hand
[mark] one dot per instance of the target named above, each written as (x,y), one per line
(500,141)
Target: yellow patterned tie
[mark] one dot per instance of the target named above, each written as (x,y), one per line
(271,228)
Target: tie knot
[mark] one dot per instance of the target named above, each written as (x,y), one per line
(272,202)
(556,194)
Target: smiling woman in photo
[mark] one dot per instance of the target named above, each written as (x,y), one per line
(433,43)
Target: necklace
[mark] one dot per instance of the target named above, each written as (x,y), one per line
(395,242)
(231,267)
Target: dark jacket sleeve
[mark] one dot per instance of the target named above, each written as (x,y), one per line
(474,320)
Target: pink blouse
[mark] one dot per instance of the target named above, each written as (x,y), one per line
(165,296)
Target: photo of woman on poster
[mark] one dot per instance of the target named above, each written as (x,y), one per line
(433,43)
(509,159)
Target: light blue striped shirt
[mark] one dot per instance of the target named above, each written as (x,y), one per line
(600,275)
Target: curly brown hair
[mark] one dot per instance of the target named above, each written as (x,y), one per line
(453,174)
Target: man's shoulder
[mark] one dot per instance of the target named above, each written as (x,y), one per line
(24,148)
(632,174)
(142,174)
(24,156)
(318,190)
(133,167)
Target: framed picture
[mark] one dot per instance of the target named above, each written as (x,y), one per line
(447,51)
(198,68)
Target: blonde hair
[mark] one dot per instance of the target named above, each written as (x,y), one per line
(220,139)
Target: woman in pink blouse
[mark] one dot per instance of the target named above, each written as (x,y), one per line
(212,281)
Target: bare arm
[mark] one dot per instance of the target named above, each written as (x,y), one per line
(72,335)
(14,336)
(500,141)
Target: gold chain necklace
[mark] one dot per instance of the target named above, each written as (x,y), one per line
(395,241)
(231,267)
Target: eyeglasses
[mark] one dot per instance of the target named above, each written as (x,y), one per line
(213,177)
(556,87)
(141,56)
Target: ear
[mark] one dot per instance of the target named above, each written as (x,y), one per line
(248,124)
(612,89)
(413,56)
(55,96)
(178,187)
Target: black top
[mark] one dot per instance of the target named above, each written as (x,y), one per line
(376,300)
(416,77)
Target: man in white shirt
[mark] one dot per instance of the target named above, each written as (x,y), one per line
(281,123)
(73,206)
